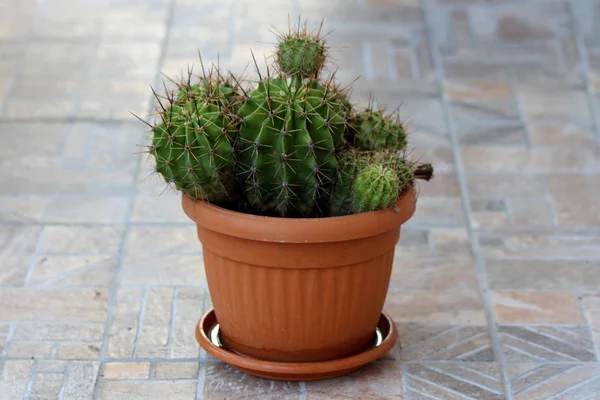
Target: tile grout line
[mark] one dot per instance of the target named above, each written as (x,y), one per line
(472,233)
(125,235)
(585,67)
(29,387)
(200,381)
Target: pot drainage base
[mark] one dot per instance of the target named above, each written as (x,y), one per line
(207,335)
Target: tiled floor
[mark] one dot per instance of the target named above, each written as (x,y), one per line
(496,287)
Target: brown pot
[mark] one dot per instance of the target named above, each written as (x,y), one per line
(298,290)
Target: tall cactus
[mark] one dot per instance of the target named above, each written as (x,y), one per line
(192,143)
(288,139)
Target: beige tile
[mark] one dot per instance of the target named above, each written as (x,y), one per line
(165,207)
(17,245)
(157,318)
(190,306)
(29,350)
(519,307)
(57,366)
(479,90)
(79,351)
(171,269)
(433,274)
(36,304)
(165,240)
(436,307)
(576,199)
(124,329)
(591,308)
(15,377)
(137,390)
(22,208)
(53,270)
(377,381)
(561,134)
(47,385)
(223,382)
(59,331)
(66,209)
(82,380)
(78,239)
(126,370)
(177,370)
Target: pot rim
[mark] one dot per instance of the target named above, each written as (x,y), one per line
(301,230)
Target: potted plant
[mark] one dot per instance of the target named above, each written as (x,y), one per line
(298,197)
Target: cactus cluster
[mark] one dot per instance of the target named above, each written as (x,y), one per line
(291,145)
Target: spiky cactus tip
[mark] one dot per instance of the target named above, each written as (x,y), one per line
(193,139)
(290,133)
(374,131)
(301,53)
(376,187)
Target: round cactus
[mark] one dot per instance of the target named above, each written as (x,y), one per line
(288,139)
(300,54)
(376,187)
(192,143)
(374,131)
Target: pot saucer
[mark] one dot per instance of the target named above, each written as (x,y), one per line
(207,335)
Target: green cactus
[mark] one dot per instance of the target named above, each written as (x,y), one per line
(349,163)
(376,187)
(301,53)
(374,131)
(288,139)
(192,143)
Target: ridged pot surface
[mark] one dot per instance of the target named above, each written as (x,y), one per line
(298,290)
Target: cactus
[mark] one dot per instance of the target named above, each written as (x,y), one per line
(374,131)
(376,187)
(290,132)
(300,53)
(349,163)
(192,143)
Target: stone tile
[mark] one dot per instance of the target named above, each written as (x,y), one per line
(123,330)
(22,208)
(156,323)
(53,366)
(436,307)
(561,134)
(67,209)
(17,244)
(433,274)
(580,190)
(56,58)
(543,274)
(537,381)
(548,343)
(79,351)
(537,159)
(81,239)
(590,304)
(30,150)
(510,133)
(159,208)
(176,370)
(163,240)
(134,390)
(554,102)
(73,271)
(444,184)
(47,386)
(15,377)
(29,350)
(504,184)
(82,380)
(450,242)
(514,307)
(445,211)
(37,304)
(544,244)
(126,371)
(142,269)
(444,342)
(190,305)
(59,331)
(454,381)
(469,90)
(377,381)
(413,243)
(531,211)
(221,380)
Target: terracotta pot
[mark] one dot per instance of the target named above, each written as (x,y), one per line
(298,290)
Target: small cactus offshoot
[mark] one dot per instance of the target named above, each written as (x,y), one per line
(289,145)
(301,53)
(374,131)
